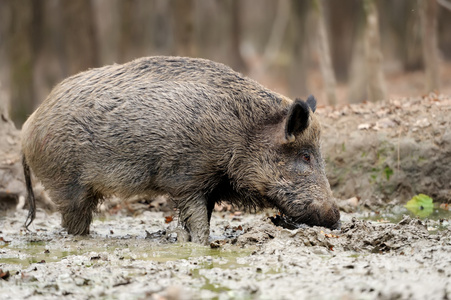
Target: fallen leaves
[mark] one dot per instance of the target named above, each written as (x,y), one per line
(421,205)
(405,113)
(4,275)
(329,235)
(379,124)
(383,221)
(2,240)
(348,205)
(217,244)
(423,123)
(444,206)
(364,126)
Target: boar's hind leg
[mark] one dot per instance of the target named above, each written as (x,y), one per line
(210,207)
(194,215)
(76,205)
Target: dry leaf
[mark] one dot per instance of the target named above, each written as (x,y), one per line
(423,123)
(444,206)
(4,275)
(364,126)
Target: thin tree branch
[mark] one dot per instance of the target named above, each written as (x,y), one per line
(445,4)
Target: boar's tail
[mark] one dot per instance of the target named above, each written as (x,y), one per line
(30,196)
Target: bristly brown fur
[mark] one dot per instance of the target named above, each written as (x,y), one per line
(190,128)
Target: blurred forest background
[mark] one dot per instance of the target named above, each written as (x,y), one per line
(344,51)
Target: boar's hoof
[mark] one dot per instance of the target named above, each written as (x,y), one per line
(178,235)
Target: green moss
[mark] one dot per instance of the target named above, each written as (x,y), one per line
(388,172)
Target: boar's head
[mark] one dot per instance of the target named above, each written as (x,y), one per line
(288,170)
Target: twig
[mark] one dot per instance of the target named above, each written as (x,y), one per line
(445,4)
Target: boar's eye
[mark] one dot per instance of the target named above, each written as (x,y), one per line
(305,157)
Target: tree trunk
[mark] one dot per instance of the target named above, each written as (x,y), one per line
(126,10)
(298,43)
(375,77)
(278,30)
(343,17)
(357,85)
(20,52)
(325,61)
(405,28)
(444,24)
(238,63)
(183,20)
(428,17)
(79,36)
(276,39)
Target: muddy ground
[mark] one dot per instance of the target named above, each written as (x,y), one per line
(128,257)
(378,155)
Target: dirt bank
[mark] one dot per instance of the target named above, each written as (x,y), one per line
(389,150)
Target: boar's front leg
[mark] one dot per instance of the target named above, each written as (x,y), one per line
(194,216)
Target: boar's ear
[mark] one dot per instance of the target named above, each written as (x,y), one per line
(311,101)
(297,119)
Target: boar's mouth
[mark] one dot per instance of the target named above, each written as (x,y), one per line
(292,223)
(327,217)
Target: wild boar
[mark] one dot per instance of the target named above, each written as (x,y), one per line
(190,128)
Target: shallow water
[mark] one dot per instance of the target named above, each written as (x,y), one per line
(366,259)
(438,219)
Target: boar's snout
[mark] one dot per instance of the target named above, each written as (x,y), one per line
(330,215)
(325,214)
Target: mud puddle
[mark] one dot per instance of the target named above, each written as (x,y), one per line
(435,219)
(249,258)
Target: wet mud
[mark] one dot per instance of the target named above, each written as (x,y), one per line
(131,257)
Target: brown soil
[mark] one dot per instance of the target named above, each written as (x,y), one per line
(11,174)
(389,150)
